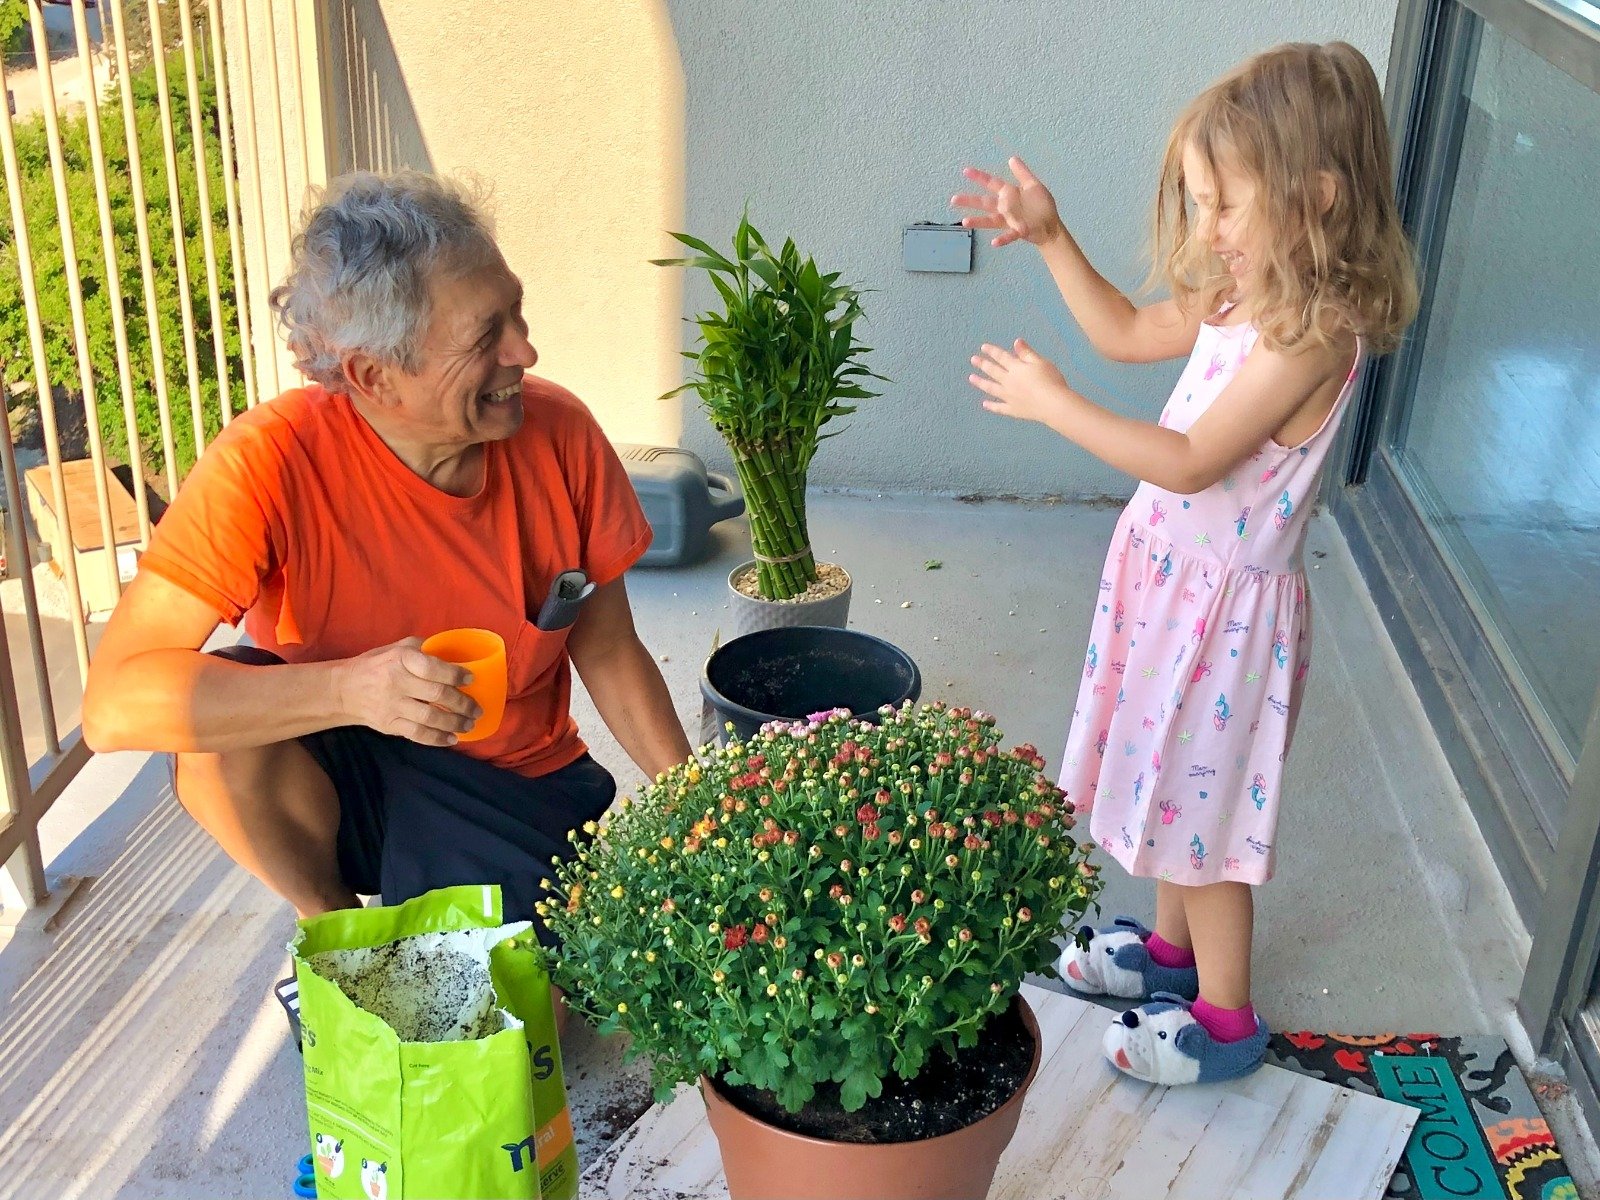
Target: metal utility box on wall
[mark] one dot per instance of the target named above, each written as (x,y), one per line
(88,543)
(930,247)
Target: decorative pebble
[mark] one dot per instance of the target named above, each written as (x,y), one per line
(664,658)
(905,604)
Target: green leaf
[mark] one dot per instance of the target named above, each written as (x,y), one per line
(695,243)
(795,1092)
(859,1086)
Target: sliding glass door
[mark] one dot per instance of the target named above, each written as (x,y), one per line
(1472,500)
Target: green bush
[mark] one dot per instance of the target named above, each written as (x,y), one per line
(40,212)
(13,24)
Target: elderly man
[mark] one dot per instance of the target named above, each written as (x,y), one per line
(423,482)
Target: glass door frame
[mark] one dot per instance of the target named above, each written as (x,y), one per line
(1538,807)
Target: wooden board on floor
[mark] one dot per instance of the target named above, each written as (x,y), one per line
(1090,1133)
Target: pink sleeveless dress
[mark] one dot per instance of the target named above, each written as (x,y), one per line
(1198,652)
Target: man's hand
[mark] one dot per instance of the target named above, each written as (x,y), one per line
(399,690)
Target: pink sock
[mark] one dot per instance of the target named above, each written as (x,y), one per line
(1225,1024)
(1164,954)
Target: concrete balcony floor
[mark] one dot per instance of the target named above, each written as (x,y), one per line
(144,1055)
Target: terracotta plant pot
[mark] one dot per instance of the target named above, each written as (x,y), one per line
(762,1162)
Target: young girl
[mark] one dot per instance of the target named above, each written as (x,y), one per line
(1278,238)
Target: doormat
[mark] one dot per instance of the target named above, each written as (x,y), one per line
(1481,1135)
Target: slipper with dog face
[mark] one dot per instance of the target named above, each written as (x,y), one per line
(1116,962)
(1161,1042)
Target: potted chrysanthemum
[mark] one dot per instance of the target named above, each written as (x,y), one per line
(827,926)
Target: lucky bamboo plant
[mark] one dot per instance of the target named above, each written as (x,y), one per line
(773,367)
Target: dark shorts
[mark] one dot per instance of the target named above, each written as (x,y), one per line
(413,818)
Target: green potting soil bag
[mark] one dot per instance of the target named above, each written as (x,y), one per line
(431,1058)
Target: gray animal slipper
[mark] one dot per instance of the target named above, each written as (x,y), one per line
(1116,962)
(1161,1042)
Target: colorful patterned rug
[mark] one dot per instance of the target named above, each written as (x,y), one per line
(1481,1135)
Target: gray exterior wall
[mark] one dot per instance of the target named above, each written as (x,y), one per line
(841,122)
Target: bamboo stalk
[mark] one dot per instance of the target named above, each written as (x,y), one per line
(776,529)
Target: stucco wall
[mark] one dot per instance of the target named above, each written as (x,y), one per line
(602,125)
(573,115)
(841,122)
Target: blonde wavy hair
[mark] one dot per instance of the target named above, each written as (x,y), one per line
(1282,119)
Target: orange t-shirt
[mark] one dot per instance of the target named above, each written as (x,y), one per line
(301,521)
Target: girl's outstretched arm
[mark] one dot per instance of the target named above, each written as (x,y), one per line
(1025,210)
(1273,393)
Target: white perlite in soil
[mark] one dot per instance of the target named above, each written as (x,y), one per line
(433,987)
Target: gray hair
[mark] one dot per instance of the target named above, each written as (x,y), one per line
(358,277)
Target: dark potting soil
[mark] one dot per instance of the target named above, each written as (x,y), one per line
(949,1094)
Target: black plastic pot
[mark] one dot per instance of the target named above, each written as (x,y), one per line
(788,674)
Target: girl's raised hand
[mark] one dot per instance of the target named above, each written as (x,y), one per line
(1020,382)
(1024,210)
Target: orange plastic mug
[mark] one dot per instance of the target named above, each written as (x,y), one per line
(483,652)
